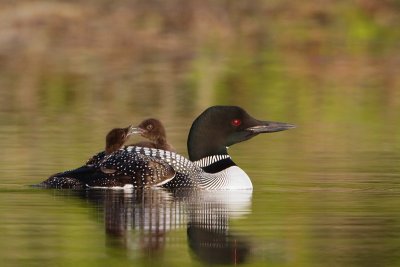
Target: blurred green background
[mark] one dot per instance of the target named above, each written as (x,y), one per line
(96,57)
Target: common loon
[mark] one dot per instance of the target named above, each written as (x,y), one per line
(211,134)
(209,165)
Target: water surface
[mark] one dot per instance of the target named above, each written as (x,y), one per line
(309,207)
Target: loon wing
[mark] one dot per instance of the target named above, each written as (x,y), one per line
(136,166)
(123,167)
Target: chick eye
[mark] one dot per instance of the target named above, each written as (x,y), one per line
(149,127)
(236,122)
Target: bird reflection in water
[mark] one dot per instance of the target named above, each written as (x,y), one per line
(209,236)
(141,219)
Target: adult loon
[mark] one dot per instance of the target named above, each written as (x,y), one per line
(209,165)
(211,134)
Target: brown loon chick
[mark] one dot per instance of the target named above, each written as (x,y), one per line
(115,140)
(153,130)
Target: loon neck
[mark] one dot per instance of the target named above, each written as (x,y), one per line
(215,163)
(204,142)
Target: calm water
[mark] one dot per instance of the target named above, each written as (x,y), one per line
(325,194)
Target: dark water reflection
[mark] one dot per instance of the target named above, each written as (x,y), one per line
(143,220)
(291,225)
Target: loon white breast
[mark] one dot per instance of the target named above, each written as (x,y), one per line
(229,178)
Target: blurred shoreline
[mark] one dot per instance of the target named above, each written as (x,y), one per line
(182,56)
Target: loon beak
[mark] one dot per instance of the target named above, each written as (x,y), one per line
(270,127)
(135,130)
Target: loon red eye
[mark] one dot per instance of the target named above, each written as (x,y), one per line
(236,122)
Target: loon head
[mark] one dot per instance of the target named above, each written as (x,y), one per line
(219,127)
(116,138)
(151,129)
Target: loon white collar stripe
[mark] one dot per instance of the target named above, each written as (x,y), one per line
(204,162)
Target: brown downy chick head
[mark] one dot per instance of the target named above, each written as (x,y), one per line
(116,138)
(152,129)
